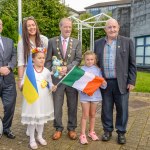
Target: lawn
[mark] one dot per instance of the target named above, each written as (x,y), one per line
(142,82)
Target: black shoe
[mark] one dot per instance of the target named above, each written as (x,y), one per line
(9,134)
(121,138)
(106,136)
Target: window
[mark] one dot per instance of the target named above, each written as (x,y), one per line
(143,51)
(95,11)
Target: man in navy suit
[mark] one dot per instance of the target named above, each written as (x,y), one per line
(7,81)
(116,58)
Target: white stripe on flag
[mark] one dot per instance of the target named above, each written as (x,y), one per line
(83,81)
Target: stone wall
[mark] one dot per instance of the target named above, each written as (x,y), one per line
(140,18)
(122,15)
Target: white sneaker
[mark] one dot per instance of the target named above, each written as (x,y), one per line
(42,141)
(33,145)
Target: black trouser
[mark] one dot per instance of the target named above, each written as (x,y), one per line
(72,101)
(8,95)
(112,96)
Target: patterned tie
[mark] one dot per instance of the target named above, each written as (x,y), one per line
(64,46)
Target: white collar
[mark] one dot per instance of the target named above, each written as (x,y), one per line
(62,38)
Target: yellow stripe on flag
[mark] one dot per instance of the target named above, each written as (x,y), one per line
(27,88)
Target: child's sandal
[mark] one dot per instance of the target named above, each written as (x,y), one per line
(33,145)
(93,136)
(42,141)
(83,139)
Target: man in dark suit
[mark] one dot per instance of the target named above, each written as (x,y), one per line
(116,58)
(68,50)
(7,81)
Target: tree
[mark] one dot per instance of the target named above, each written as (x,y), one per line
(85,33)
(46,12)
(98,32)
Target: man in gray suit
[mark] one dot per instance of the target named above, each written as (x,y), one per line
(68,50)
(116,58)
(8,93)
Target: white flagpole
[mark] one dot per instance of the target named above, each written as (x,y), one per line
(19,15)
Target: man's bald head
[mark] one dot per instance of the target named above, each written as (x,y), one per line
(112,28)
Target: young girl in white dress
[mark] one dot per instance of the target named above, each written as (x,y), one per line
(37,114)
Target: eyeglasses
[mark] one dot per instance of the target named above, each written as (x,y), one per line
(27,18)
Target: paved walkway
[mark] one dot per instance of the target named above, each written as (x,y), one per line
(138,130)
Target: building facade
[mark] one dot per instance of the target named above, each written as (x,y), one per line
(140,31)
(106,7)
(134,19)
(135,23)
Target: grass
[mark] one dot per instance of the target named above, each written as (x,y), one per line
(142,82)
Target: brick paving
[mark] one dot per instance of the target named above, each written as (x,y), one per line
(138,130)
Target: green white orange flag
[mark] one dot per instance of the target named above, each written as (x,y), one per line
(83,81)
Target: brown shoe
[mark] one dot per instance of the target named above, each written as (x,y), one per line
(72,135)
(56,135)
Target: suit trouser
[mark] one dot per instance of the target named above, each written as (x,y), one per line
(8,95)
(72,101)
(112,96)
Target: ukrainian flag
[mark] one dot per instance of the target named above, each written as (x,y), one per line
(20,31)
(30,90)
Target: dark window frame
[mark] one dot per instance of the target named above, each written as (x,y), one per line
(144,46)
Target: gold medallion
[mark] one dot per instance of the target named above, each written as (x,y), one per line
(70,45)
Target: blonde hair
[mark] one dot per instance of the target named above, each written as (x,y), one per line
(89,52)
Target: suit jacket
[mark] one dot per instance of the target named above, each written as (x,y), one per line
(9,58)
(125,61)
(73,53)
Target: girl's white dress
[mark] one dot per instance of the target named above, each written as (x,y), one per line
(42,109)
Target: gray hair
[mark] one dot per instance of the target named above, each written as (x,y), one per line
(64,19)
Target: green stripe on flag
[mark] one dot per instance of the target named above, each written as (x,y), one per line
(73,76)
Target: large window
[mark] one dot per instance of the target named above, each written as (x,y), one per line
(95,11)
(143,51)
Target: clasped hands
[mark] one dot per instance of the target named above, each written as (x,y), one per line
(4,70)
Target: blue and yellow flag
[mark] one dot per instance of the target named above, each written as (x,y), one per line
(30,90)
(20,31)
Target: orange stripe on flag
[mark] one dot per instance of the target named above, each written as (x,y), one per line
(93,85)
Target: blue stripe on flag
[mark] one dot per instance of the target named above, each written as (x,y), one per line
(20,31)
(30,90)
(30,73)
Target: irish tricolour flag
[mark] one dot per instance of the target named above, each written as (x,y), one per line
(83,81)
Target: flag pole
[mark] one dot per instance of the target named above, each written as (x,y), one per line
(19,17)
